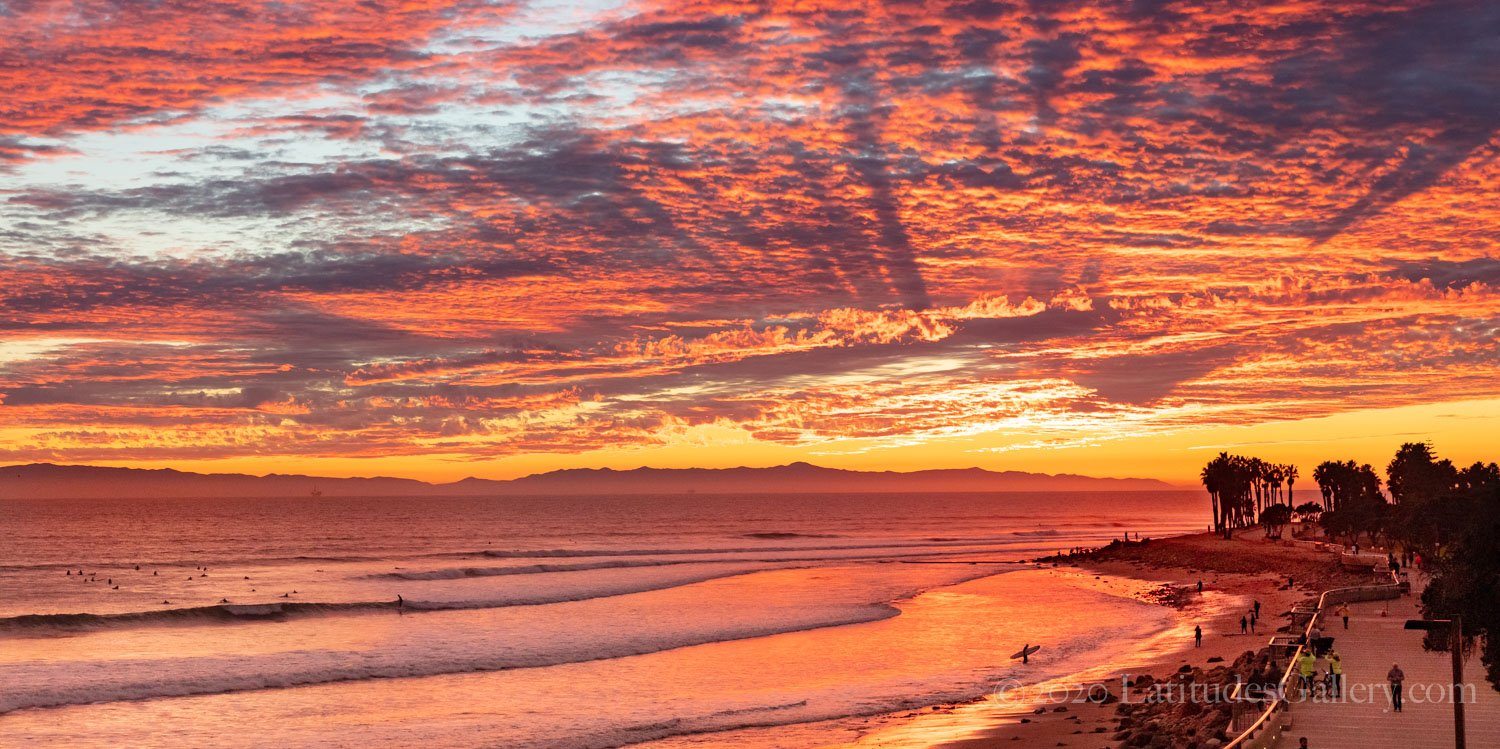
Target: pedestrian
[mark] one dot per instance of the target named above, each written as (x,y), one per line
(1396,676)
(1197,636)
(1200,586)
(1356,548)
(1307,665)
(1257,608)
(1244,626)
(1302,743)
(1336,672)
(1344,612)
(1254,618)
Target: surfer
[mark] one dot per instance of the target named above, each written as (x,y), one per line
(1026,653)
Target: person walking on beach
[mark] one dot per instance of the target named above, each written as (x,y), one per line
(1254,617)
(1244,626)
(1200,587)
(1396,676)
(1197,636)
(1336,673)
(1257,608)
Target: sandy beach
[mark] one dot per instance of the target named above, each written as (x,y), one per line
(1053,712)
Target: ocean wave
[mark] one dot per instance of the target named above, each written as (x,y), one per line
(130,680)
(854,705)
(458,573)
(218,612)
(239,561)
(775,535)
(233,613)
(553,553)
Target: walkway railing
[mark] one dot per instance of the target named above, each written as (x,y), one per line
(1267,728)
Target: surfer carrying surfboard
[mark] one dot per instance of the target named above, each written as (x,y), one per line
(1025,652)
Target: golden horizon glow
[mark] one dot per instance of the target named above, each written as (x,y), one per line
(1458,430)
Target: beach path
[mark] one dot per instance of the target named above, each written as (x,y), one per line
(1365,721)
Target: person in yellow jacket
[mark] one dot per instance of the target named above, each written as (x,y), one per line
(1336,673)
(1306,666)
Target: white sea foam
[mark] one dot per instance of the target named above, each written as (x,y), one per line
(443,648)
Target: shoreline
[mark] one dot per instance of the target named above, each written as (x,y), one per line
(1234,574)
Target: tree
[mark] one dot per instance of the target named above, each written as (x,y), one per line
(1341,483)
(1424,489)
(1466,567)
(1353,500)
(1416,475)
(1274,518)
(1241,489)
(1309,510)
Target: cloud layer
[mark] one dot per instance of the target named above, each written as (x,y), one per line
(483,229)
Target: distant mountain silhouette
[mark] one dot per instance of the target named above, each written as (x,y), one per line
(45,480)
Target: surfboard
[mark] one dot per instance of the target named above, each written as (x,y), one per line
(1024,652)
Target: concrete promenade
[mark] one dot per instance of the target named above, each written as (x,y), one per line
(1364,720)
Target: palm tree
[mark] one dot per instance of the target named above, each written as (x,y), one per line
(1210,476)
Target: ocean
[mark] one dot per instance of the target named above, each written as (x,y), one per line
(560,622)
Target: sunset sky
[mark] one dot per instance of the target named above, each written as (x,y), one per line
(443,239)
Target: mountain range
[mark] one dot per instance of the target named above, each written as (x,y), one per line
(46,480)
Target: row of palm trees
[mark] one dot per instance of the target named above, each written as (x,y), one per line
(1242,487)
(1342,483)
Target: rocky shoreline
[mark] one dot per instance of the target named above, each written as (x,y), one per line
(1193,707)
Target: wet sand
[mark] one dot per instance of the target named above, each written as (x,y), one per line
(1234,574)
(1029,716)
